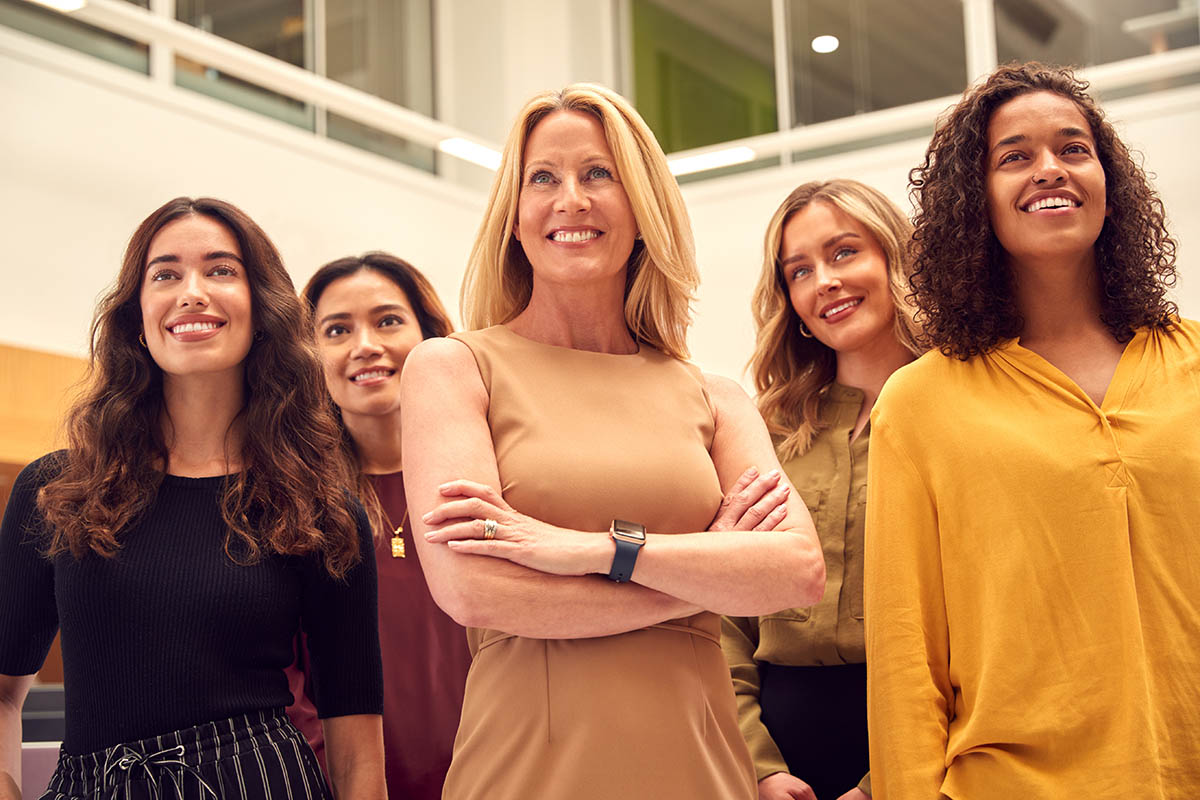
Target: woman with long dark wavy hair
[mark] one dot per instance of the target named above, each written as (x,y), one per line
(368,312)
(833,324)
(1034,483)
(192,526)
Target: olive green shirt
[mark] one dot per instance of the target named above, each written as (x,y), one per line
(831,477)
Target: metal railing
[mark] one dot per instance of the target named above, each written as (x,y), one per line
(167,35)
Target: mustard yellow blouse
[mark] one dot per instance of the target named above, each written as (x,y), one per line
(1033,577)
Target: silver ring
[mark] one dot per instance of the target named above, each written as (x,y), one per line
(489,528)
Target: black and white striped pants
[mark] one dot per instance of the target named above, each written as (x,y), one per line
(255,756)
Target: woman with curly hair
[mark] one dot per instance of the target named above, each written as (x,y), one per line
(368,313)
(192,526)
(832,324)
(565,463)
(1033,627)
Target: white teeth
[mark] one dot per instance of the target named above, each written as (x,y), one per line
(366,376)
(574,236)
(840,307)
(192,327)
(1050,202)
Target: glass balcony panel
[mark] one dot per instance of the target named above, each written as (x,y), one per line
(703,70)
(1088,32)
(276,28)
(61,29)
(855,56)
(383,47)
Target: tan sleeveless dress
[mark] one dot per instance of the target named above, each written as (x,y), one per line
(581,438)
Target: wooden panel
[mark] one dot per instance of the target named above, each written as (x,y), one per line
(37,391)
(38,388)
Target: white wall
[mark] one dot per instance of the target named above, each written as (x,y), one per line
(730,214)
(88,150)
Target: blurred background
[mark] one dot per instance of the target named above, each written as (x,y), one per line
(350,125)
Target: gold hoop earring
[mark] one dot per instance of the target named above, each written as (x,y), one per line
(142,340)
(804,331)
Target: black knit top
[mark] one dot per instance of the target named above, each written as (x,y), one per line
(170,632)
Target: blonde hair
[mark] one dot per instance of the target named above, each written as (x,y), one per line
(662,275)
(792,371)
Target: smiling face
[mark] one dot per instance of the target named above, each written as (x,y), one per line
(837,278)
(195,298)
(365,329)
(574,219)
(1045,184)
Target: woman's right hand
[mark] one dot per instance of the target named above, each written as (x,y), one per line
(782,786)
(755,503)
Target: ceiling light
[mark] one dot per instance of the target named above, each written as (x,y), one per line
(825,44)
(470,151)
(713,160)
(63,5)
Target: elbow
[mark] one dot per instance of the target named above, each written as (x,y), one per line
(465,601)
(809,578)
(460,605)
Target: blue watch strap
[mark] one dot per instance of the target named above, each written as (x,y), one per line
(628,538)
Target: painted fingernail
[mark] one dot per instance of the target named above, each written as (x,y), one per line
(427,518)
(429,535)
(752,471)
(773,473)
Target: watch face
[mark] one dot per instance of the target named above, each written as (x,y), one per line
(629,530)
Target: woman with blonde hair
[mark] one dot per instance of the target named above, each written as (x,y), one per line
(832,324)
(565,463)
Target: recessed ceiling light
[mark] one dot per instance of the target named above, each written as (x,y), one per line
(825,44)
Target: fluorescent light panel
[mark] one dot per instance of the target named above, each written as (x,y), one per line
(713,160)
(62,5)
(470,151)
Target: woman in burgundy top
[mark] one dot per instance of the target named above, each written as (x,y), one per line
(368,312)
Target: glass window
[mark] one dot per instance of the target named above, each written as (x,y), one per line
(383,47)
(274,27)
(62,29)
(1085,32)
(703,70)
(853,56)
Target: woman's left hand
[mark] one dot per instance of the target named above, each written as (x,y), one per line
(463,520)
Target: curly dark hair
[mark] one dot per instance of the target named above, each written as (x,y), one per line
(961,285)
(290,498)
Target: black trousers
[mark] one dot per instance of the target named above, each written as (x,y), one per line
(818,719)
(256,756)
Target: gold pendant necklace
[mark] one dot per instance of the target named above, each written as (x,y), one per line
(398,540)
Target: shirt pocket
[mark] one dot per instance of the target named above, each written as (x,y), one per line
(815,499)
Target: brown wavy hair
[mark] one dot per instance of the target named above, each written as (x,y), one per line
(289,498)
(792,371)
(431,317)
(961,283)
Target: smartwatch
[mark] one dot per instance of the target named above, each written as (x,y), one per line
(629,538)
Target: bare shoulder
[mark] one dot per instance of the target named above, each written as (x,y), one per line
(446,366)
(443,360)
(727,396)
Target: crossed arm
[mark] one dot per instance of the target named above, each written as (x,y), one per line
(538,580)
